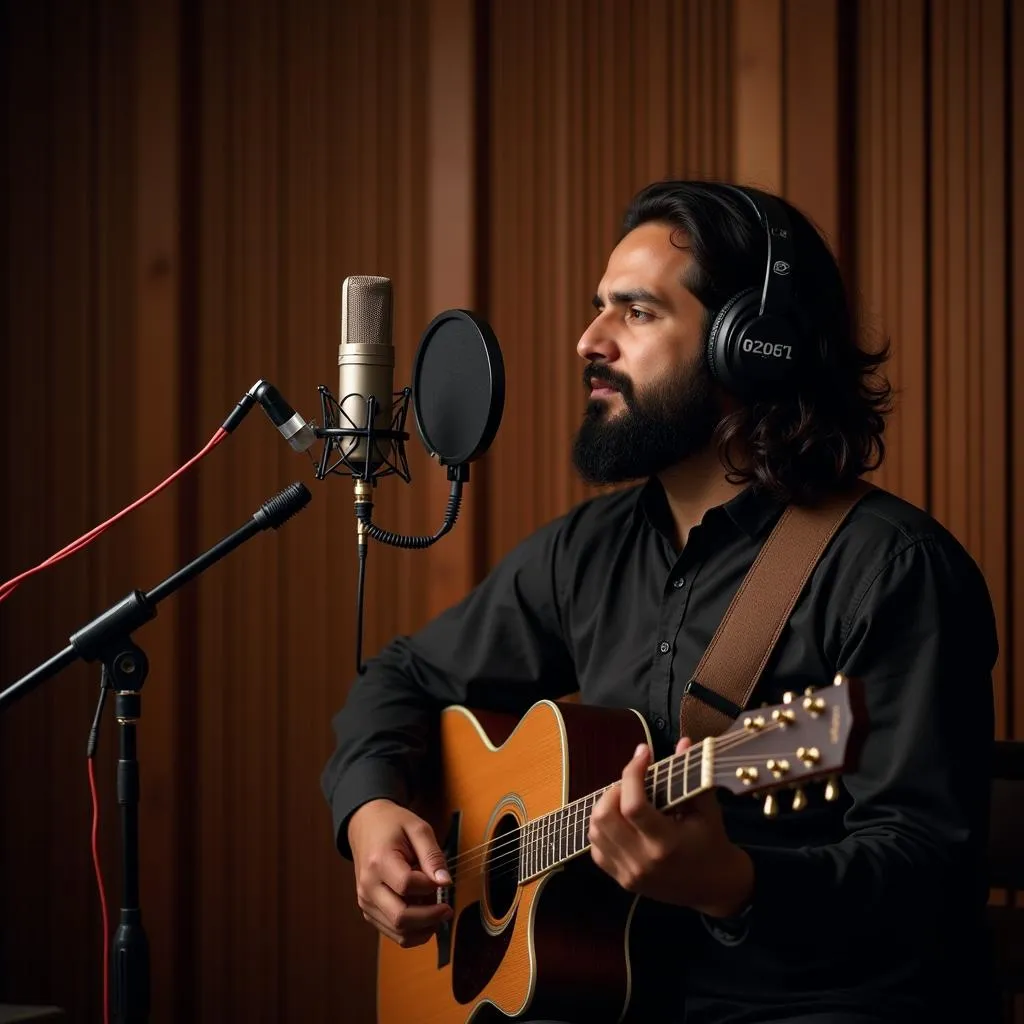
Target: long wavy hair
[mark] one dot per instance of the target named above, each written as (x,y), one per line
(826,432)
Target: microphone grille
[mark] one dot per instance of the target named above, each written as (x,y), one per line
(366,307)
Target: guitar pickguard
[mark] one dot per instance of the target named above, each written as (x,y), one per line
(446,893)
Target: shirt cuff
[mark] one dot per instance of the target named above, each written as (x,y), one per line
(729,931)
(372,779)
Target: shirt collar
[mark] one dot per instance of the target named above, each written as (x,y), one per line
(751,511)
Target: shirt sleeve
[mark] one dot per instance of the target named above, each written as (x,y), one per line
(499,649)
(922,640)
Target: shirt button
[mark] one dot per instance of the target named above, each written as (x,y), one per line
(659,724)
(664,647)
(679,583)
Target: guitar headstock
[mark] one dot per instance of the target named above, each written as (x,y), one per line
(807,737)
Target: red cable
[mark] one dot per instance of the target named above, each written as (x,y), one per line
(11,585)
(103,893)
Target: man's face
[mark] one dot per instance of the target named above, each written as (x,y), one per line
(652,398)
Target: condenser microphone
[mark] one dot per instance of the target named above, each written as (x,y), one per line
(366,366)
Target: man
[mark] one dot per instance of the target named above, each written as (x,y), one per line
(867,909)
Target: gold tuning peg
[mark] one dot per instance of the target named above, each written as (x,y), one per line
(832,789)
(788,697)
(771,806)
(839,679)
(799,799)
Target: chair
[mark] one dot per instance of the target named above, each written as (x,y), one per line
(1006,868)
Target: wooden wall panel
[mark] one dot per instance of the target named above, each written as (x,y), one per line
(188,186)
(570,144)
(313,151)
(891,224)
(968,294)
(1015,373)
(30,628)
(89,368)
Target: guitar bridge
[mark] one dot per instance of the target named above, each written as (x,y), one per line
(446,893)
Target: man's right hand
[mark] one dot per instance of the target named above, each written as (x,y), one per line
(398,866)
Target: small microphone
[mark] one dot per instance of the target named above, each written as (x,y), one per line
(293,428)
(366,364)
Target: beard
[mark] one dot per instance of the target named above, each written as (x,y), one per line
(661,425)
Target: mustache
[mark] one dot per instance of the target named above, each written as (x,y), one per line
(597,374)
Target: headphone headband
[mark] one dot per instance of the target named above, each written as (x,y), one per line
(777,290)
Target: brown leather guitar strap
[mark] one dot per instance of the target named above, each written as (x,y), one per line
(734,660)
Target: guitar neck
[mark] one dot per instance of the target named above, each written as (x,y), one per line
(552,839)
(765,749)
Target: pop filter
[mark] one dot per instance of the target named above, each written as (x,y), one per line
(458,387)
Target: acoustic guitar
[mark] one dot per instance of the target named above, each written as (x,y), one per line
(538,930)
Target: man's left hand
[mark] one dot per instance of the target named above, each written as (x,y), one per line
(684,856)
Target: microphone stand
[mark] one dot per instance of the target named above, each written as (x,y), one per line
(108,639)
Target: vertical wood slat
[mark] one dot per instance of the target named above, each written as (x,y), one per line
(758,93)
(950,310)
(1015,282)
(67,375)
(968,443)
(309,311)
(31,732)
(938,268)
(992,535)
(213,934)
(812,118)
(889,273)
(155,339)
(452,155)
(565,144)
(910,237)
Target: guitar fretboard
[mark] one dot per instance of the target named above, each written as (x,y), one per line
(554,838)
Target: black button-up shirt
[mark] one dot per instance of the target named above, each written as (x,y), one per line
(858,903)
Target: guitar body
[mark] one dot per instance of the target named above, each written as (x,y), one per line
(556,946)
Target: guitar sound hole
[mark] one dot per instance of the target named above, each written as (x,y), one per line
(503,866)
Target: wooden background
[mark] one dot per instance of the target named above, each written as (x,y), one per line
(186,186)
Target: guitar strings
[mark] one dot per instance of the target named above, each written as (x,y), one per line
(509,852)
(510,859)
(674,761)
(512,844)
(484,851)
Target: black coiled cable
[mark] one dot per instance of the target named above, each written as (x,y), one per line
(364,513)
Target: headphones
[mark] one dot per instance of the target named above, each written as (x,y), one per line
(753,347)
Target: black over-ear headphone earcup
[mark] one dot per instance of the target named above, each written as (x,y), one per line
(740,309)
(749,354)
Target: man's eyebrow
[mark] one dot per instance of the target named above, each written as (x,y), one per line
(633,295)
